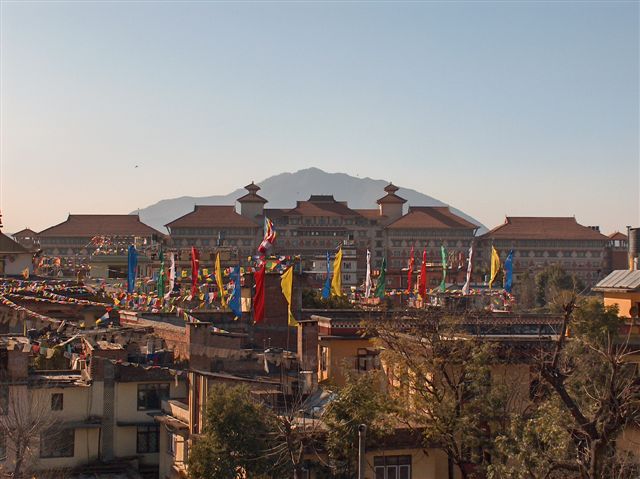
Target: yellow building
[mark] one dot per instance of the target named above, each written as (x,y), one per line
(621,288)
(79,417)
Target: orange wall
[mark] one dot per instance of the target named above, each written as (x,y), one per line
(624,301)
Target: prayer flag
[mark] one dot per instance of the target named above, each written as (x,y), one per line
(195,269)
(467,284)
(336,281)
(495,265)
(269,236)
(258,298)
(410,272)
(286,284)
(508,272)
(382,280)
(132,268)
(234,302)
(326,290)
(443,283)
(367,281)
(219,282)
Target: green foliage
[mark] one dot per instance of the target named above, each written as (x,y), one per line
(235,437)
(360,401)
(535,445)
(312,299)
(552,282)
(595,323)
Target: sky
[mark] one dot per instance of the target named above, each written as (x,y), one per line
(498,108)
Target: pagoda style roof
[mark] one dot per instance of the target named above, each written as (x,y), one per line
(543,227)
(431,217)
(212,216)
(252,196)
(7,245)
(100,225)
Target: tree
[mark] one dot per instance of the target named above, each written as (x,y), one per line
(24,417)
(360,401)
(552,282)
(442,379)
(235,436)
(589,393)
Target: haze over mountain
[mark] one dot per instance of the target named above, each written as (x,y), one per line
(285,189)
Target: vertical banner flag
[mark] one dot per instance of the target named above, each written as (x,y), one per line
(269,236)
(422,280)
(467,284)
(443,253)
(219,281)
(367,281)
(326,289)
(161,276)
(172,273)
(195,268)
(410,273)
(286,284)
(132,268)
(258,298)
(508,272)
(336,281)
(495,265)
(382,280)
(234,302)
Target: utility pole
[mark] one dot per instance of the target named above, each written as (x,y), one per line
(362,432)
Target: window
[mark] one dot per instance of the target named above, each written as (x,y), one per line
(150,396)
(392,467)
(57,401)
(323,358)
(172,443)
(147,439)
(57,443)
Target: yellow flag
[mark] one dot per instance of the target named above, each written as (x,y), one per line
(336,281)
(219,281)
(286,283)
(495,265)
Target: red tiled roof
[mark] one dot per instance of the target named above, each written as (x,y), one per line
(391,198)
(618,236)
(7,245)
(372,214)
(94,225)
(430,217)
(322,205)
(543,227)
(26,231)
(209,216)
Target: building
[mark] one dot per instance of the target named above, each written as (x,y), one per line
(621,288)
(70,245)
(15,259)
(617,251)
(87,420)
(539,242)
(27,238)
(322,224)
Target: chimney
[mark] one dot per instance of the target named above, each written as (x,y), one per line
(308,353)
(252,204)
(633,245)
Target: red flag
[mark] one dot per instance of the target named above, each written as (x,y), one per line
(422,281)
(410,273)
(195,267)
(258,298)
(269,236)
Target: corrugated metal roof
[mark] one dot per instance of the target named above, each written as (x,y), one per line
(620,279)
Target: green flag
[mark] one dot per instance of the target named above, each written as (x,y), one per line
(443,252)
(161,276)
(382,280)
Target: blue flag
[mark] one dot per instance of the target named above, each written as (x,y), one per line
(326,290)
(132,269)
(234,302)
(508,272)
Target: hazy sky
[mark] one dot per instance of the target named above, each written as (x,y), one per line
(497,108)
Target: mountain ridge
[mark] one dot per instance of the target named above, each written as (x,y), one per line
(359,193)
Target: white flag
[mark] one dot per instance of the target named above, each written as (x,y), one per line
(467,284)
(172,274)
(367,283)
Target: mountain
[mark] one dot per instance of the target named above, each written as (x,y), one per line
(285,189)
